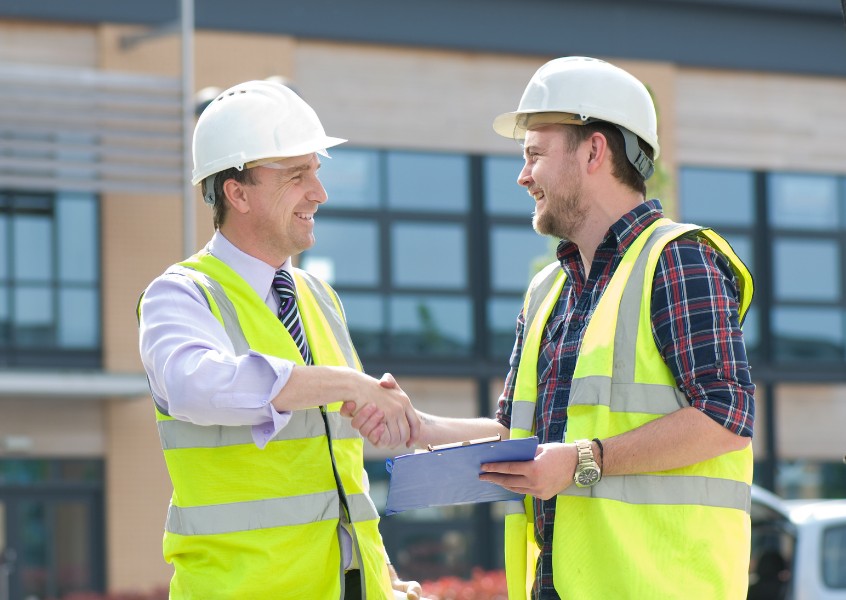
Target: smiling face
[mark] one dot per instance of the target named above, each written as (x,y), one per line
(551,176)
(277,211)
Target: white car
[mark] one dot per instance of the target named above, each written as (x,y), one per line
(798,548)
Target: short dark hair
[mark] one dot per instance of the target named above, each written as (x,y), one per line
(621,168)
(220,207)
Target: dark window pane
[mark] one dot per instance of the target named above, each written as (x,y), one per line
(80,470)
(819,263)
(76,230)
(503,195)
(23,472)
(4,247)
(517,254)
(808,334)
(502,324)
(430,325)
(72,543)
(346,251)
(715,197)
(429,255)
(79,319)
(5,317)
(351,178)
(32,248)
(428,182)
(366,321)
(803,201)
(33,316)
(752,332)
(834,557)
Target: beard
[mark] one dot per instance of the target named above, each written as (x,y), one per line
(563,214)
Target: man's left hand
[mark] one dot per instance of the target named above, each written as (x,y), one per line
(411,589)
(550,473)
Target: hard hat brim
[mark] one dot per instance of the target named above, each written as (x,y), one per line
(320,146)
(515,124)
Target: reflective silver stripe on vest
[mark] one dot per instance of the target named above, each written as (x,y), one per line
(333,317)
(670,489)
(231,324)
(625,339)
(514,507)
(651,399)
(538,294)
(177,434)
(522,414)
(263,514)
(523,411)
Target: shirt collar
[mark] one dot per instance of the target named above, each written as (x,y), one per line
(257,273)
(620,235)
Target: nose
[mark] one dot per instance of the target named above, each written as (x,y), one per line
(317,193)
(525,176)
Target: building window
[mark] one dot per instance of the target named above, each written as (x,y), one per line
(431,252)
(789,229)
(49,280)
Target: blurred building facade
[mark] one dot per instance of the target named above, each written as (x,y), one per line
(426,234)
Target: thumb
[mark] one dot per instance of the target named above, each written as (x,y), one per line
(388,381)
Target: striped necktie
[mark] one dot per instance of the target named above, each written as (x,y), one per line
(283,283)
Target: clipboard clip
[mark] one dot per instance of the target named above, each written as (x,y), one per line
(495,438)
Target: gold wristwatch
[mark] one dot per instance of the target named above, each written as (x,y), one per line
(587,471)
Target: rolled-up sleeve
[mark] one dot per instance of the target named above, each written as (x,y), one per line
(192,367)
(697,329)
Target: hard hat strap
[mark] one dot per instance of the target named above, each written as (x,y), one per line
(644,165)
(208,196)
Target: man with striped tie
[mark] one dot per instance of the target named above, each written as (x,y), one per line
(249,362)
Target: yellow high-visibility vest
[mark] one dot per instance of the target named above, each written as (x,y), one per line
(258,523)
(683,533)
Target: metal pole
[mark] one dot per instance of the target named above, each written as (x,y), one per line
(189,233)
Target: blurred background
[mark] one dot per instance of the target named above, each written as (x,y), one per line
(426,235)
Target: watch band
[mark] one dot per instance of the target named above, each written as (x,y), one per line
(587,472)
(585,450)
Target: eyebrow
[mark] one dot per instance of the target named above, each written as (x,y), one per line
(528,149)
(297,169)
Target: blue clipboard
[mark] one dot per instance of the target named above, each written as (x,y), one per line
(445,476)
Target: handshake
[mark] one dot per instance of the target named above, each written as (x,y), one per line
(383,413)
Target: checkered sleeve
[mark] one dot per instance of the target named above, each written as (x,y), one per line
(696,327)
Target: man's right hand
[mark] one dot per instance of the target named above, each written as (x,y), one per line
(383,414)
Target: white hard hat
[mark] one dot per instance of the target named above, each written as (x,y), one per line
(253,121)
(580,90)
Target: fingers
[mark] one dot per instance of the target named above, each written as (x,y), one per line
(375,436)
(383,414)
(412,589)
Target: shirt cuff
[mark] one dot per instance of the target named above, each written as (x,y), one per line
(264,432)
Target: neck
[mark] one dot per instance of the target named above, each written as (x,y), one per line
(606,209)
(247,245)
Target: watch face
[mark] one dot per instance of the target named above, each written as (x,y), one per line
(587,476)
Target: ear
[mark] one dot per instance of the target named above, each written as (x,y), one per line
(236,196)
(598,152)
